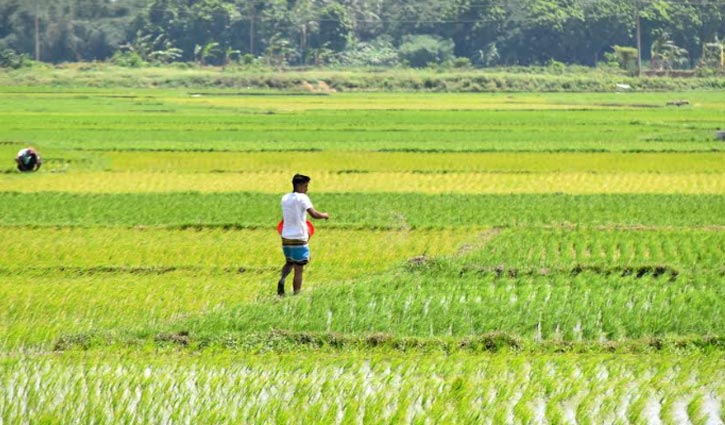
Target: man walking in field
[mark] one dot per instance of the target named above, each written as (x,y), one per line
(295,234)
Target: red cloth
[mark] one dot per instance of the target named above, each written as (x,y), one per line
(310,227)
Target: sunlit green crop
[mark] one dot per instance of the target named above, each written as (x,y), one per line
(489,258)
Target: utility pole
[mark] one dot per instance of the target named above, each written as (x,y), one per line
(251,26)
(639,39)
(37,33)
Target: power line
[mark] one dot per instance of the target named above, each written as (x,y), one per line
(485,5)
(462,9)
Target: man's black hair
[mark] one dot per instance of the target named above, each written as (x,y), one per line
(299,179)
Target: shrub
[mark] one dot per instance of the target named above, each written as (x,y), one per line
(556,67)
(247,59)
(379,52)
(461,63)
(10,59)
(128,59)
(625,57)
(422,50)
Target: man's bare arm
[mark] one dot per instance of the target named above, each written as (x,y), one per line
(316,214)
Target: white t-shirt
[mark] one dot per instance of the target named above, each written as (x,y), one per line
(294,213)
(24,155)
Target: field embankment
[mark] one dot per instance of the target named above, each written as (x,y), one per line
(323,81)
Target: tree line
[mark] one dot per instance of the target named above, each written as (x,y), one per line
(671,33)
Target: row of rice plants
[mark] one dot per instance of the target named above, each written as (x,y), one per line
(106,250)
(564,249)
(364,162)
(362,140)
(435,101)
(438,163)
(372,141)
(349,251)
(416,122)
(362,210)
(450,303)
(355,388)
(392,108)
(157,123)
(81,308)
(374,182)
(69,281)
(219,105)
(81,99)
(346,253)
(244,265)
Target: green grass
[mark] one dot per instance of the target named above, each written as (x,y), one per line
(81,76)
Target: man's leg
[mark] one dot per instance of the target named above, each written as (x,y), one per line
(297,282)
(285,272)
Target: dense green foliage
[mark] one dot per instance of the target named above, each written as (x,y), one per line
(313,32)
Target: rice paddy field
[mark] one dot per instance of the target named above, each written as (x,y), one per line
(490,258)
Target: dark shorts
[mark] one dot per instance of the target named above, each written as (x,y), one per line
(296,252)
